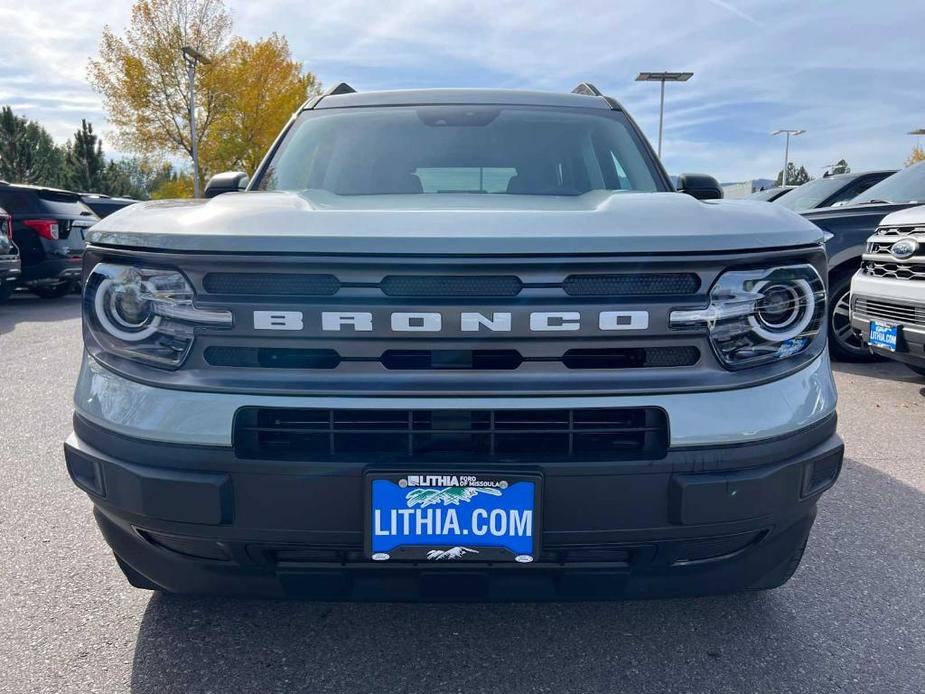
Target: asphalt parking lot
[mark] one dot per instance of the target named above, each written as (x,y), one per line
(851,620)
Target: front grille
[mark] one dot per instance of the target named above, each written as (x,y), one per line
(889,311)
(896,271)
(269,284)
(450,285)
(439,436)
(677,283)
(451,359)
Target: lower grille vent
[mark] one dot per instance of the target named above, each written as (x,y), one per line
(447,359)
(418,436)
(889,311)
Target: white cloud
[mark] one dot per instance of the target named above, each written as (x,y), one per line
(838,69)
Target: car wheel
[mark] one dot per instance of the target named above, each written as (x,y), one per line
(6,291)
(845,343)
(54,291)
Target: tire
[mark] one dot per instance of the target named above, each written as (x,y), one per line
(6,291)
(920,370)
(135,579)
(780,576)
(845,343)
(54,291)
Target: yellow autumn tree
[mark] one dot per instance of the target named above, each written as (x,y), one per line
(243,96)
(265,86)
(918,154)
(142,74)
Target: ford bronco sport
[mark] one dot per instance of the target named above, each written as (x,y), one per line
(456,344)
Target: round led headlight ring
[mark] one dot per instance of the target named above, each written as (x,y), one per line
(784,311)
(123,313)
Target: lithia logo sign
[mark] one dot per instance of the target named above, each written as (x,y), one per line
(444,517)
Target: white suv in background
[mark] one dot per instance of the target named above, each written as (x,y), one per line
(888,293)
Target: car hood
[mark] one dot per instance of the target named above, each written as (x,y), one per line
(321,222)
(876,211)
(911,216)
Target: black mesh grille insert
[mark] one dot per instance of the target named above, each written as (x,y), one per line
(631,357)
(485,359)
(425,286)
(477,436)
(270,284)
(451,359)
(671,283)
(272,358)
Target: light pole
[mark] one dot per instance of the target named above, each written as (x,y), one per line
(193,57)
(663,77)
(794,133)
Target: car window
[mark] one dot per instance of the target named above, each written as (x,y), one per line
(907,185)
(460,149)
(812,194)
(16,201)
(465,179)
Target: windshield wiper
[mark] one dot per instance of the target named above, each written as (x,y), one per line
(877,201)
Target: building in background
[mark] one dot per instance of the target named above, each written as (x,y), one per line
(742,189)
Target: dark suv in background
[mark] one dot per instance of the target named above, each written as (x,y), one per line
(104,205)
(9,257)
(48,228)
(830,191)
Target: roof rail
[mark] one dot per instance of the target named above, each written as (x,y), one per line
(587,89)
(340,88)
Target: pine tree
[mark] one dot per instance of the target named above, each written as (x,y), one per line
(85,165)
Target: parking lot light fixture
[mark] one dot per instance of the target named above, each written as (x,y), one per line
(662,77)
(789,133)
(193,57)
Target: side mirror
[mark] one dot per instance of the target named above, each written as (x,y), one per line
(700,186)
(227,182)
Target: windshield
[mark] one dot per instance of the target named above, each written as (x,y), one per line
(460,149)
(906,186)
(810,195)
(767,194)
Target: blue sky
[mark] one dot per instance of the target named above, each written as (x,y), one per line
(851,72)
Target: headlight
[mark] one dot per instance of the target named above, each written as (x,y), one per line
(760,316)
(144,314)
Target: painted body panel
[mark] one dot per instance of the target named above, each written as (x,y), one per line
(713,418)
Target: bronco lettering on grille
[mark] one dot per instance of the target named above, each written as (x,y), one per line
(468,321)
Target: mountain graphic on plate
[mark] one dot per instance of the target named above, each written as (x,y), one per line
(448,496)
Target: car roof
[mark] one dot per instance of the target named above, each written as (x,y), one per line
(417,97)
(27,186)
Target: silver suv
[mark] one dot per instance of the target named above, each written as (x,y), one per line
(456,344)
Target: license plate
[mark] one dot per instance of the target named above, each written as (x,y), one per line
(884,335)
(437,517)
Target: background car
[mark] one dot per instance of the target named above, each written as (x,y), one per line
(104,205)
(9,257)
(48,228)
(848,228)
(770,194)
(831,190)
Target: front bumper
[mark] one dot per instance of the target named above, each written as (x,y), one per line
(704,519)
(895,301)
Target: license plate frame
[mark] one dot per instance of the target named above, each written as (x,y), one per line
(451,549)
(885,335)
